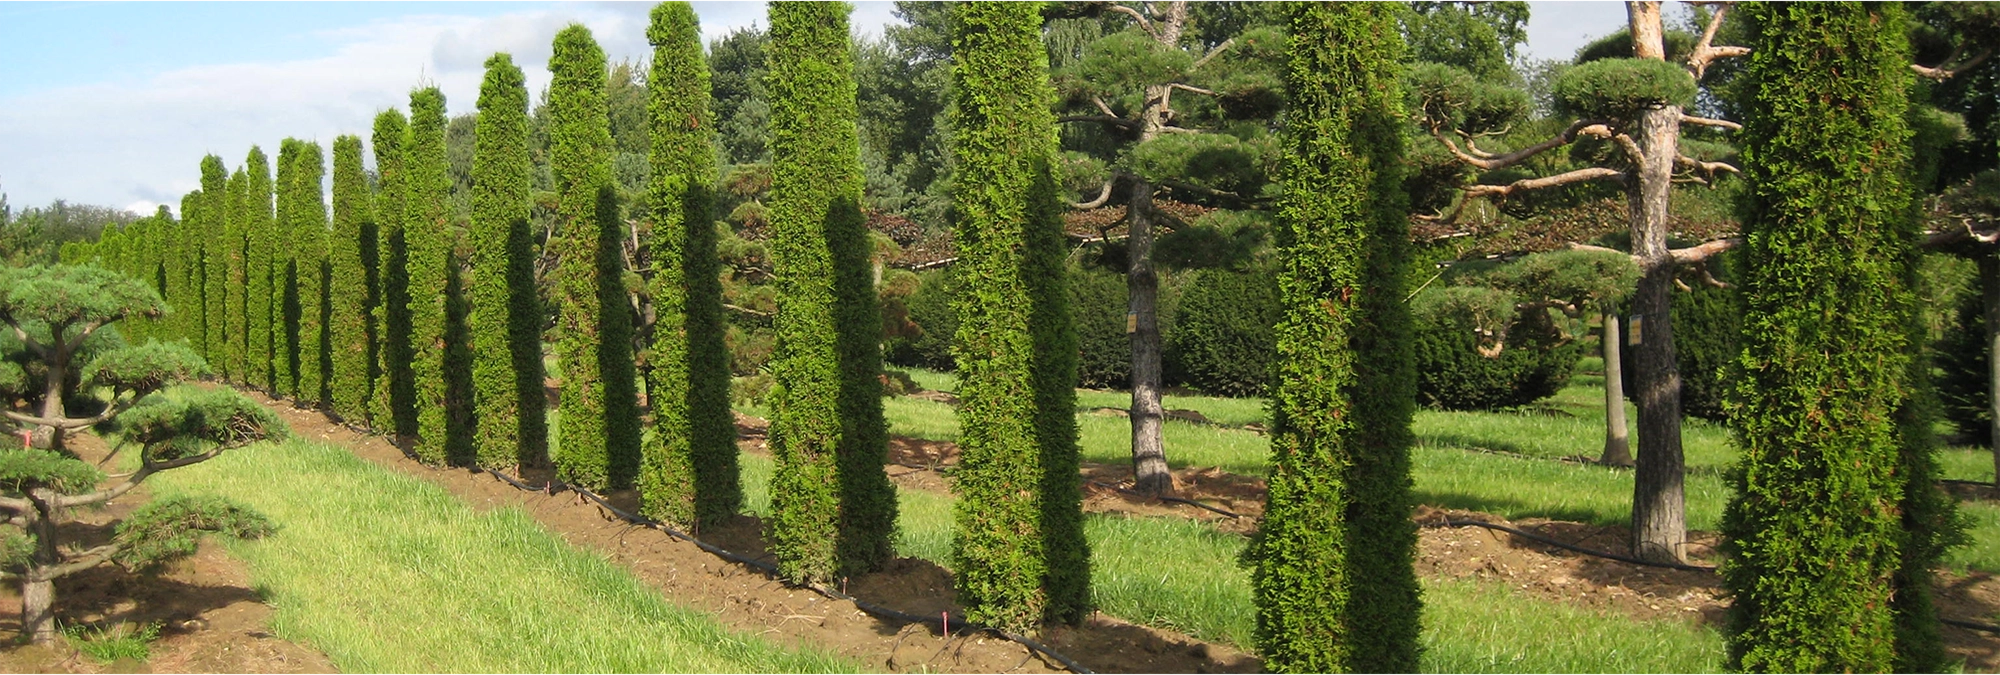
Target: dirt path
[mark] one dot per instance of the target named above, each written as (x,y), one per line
(210,619)
(747,600)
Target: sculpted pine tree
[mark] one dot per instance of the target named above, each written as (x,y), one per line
(394,402)
(426,219)
(1333,577)
(260,249)
(353,239)
(833,509)
(506,316)
(688,473)
(599,432)
(1019,552)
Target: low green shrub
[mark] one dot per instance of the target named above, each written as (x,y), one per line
(1222,342)
(1534,361)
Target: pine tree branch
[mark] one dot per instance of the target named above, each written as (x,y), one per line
(1212,53)
(1193,89)
(1941,73)
(1145,24)
(1566,178)
(1107,119)
(1102,197)
(15,504)
(1710,122)
(1567,136)
(1705,51)
(84,561)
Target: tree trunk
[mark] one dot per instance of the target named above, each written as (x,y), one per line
(1989,292)
(1617,447)
(46,436)
(38,595)
(1659,518)
(1149,455)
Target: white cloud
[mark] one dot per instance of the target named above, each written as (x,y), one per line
(140,142)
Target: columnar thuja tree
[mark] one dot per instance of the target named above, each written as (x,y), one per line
(833,509)
(186,242)
(425,219)
(689,472)
(1333,580)
(351,255)
(285,273)
(1812,532)
(393,410)
(261,244)
(214,256)
(309,236)
(503,299)
(1019,551)
(236,324)
(599,432)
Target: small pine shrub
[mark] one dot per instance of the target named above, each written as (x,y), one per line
(1534,362)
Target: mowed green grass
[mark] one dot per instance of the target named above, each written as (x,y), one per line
(388,573)
(1186,576)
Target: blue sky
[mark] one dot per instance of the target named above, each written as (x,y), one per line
(115,103)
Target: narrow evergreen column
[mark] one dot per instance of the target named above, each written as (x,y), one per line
(688,473)
(237,314)
(348,282)
(1813,531)
(425,223)
(285,273)
(1333,576)
(500,203)
(1018,550)
(213,252)
(310,238)
(259,241)
(394,404)
(833,508)
(599,437)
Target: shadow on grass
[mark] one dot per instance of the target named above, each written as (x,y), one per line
(1512,509)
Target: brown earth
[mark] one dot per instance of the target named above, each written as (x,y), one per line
(210,620)
(748,600)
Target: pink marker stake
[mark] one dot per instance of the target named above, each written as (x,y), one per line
(947,622)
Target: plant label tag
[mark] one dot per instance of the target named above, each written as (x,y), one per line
(1635,327)
(1131,322)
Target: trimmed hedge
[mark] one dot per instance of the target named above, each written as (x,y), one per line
(1222,340)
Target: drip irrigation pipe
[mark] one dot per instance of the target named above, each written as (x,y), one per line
(942,621)
(1448,522)
(1974,625)
(1165,498)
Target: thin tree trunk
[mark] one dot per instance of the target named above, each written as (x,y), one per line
(1617,447)
(48,436)
(1659,518)
(1149,455)
(1989,291)
(38,595)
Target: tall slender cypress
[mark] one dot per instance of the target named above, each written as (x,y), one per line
(395,395)
(1813,531)
(348,282)
(186,241)
(285,273)
(425,221)
(1333,577)
(500,203)
(260,243)
(833,508)
(236,248)
(689,473)
(1018,516)
(212,243)
(310,238)
(599,434)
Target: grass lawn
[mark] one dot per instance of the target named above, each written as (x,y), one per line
(387,573)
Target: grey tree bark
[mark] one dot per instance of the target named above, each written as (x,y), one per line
(1989,291)
(1659,517)
(1617,445)
(1142,283)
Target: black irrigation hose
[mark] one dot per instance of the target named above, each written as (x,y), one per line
(1165,498)
(1448,522)
(942,621)
(1974,625)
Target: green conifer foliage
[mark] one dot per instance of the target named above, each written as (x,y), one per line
(426,223)
(1333,580)
(1813,531)
(833,509)
(689,473)
(214,255)
(236,322)
(394,403)
(500,204)
(186,242)
(309,261)
(1010,341)
(599,433)
(348,282)
(261,242)
(285,273)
